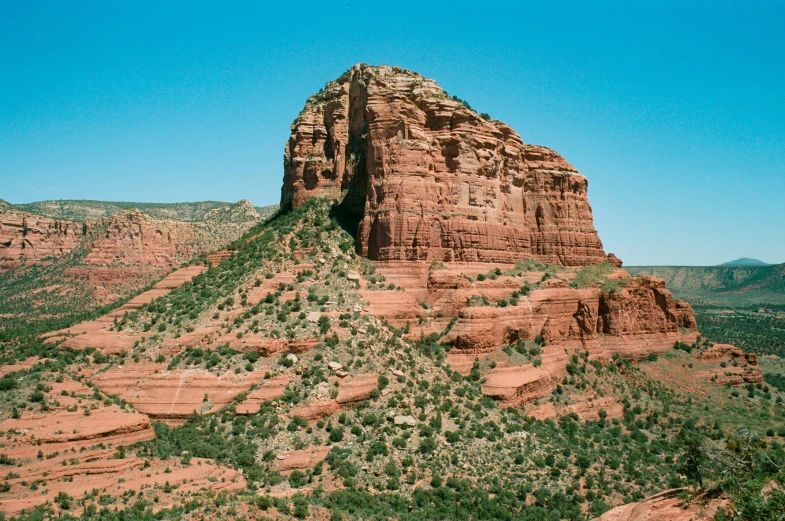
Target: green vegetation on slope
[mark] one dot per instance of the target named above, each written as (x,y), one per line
(743,306)
(59,292)
(464,457)
(511,465)
(740,285)
(752,328)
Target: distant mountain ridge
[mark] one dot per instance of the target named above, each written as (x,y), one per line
(745,261)
(740,284)
(87,210)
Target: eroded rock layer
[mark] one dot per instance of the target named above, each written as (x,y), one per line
(127,238)
(639,318)
(28,238)
(79,446)
(430,179)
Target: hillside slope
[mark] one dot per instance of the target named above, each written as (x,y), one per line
(312,403)
(722,284)
(428,329)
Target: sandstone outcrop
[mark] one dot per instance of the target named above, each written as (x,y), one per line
(586,408)
(29,239)
(638,319)
(131,237)
(429,178)
(271,389)
(172,396)
(101,261)
(736,367)
(302,459)
(667,506)
(640,308)
(515,385)
(353,390)
(75,448)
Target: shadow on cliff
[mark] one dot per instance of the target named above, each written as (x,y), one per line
(347,218)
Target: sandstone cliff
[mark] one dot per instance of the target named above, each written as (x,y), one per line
(131,237)
(77,264)
(28,238)
(128,237)
(430,179)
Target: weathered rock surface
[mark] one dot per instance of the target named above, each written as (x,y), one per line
(666,506)
(586,408)
(429,178)
(515,385)
(67,429)
(639,319)
(75,452)
(352,390)
(132,237)
(24,364)
(740,367)
(127,238)
(560,313)
(301,459)
(29,239)
(172,396)
(271,389)
(409,421)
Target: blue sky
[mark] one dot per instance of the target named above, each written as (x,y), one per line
(675,111)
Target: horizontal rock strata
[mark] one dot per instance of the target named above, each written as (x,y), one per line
(429,178)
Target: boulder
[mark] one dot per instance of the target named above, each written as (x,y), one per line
(409,421)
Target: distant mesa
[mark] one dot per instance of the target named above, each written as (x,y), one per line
(745,261)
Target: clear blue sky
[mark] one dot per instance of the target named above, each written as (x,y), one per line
(675,111)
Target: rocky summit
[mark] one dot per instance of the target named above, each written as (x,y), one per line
(428,328)
(428,178)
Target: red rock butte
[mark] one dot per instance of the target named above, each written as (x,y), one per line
(430,179)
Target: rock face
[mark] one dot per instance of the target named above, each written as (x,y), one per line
(301,459)
(100,261)
(172,396)
(82,454)
(638,319)
(430,179)
(739,368)
(28,238)
(667,506)
(561,314)
(352,391)
(132,237)
(128,237)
